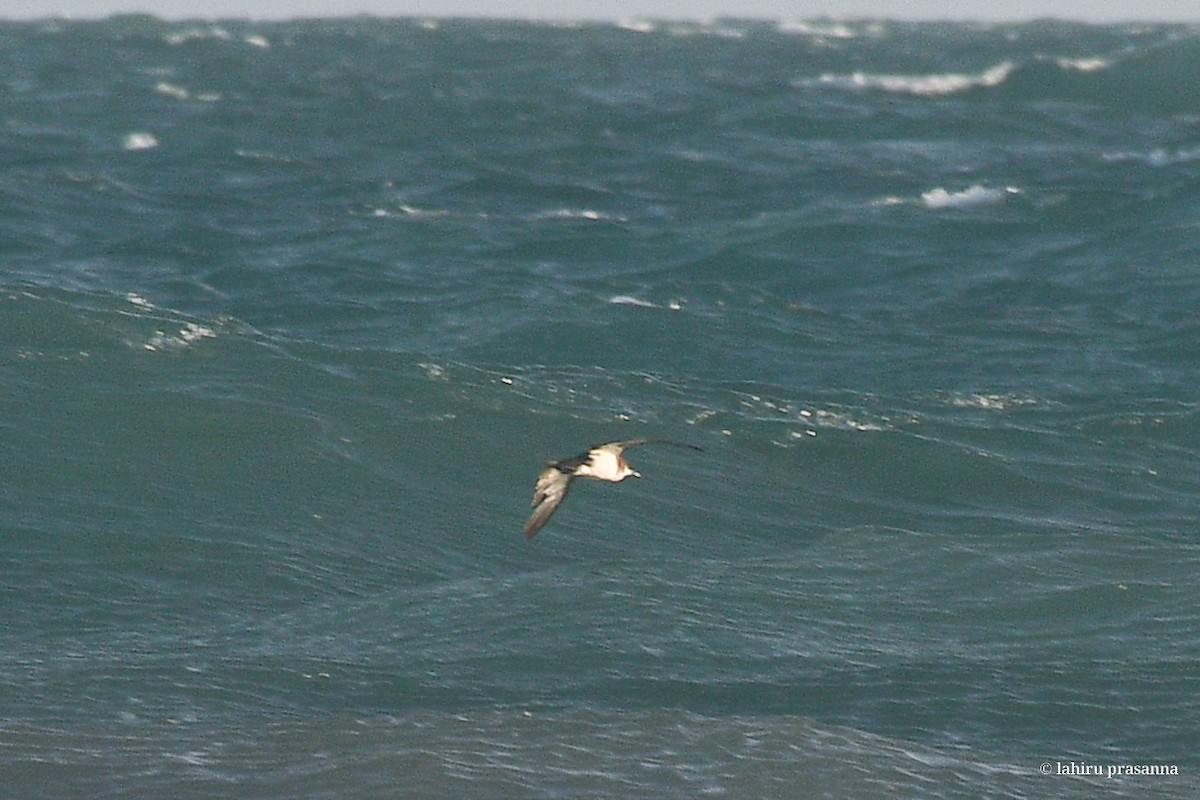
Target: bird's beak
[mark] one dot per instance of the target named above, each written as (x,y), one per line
(636,474)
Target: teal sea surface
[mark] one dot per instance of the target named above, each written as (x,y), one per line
(292,313)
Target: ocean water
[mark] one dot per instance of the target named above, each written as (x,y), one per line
(292,313)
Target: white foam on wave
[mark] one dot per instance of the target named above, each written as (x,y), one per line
(172,91)
(409,211)
(139,140)
(719,29)
(1159,156)
(1084,64)
(818,30)
(933,85)
(215,32)
(189,334)
(637,25)
(939,197)
(801,423)
(139,301)
(580,213)
(991,402)
(174,335)
(629,300)
(190,34)
(975,195)
(180,93)
(673,304)
(433,371)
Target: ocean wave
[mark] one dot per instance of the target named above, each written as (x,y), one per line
(1158,157)
(930,85)
(527,751)
(628,300)
(1142,77)
(947,491)
(825,29)
(54,324)
(974,195)
(200,33)
(939,197)
(1145,78)
(215,32)
(139,140)
(580,213)
(1084,64)
(175,92)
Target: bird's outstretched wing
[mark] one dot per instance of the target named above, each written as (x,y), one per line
(551,488)
(617,447)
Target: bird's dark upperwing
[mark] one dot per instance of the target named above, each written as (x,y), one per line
(551,488)
(619,446)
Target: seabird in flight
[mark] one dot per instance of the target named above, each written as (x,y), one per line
(602,461)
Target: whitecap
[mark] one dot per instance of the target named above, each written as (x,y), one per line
(139,301)
(819,30)
(804,423)
(629,300)
(638,25)
(579,213)
(139,141)
(212,32)
(191,332)
(413,211)
(933,85)
(1159,156)
(991,402)
(171,90)
(975,195)
(1084,64)
(434,371)
(180,93)
(186,336)
(711,28)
